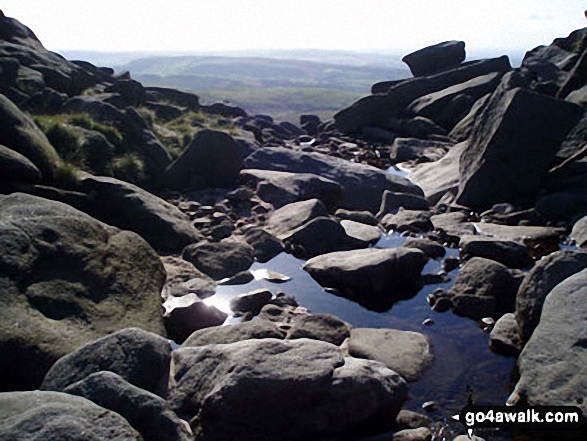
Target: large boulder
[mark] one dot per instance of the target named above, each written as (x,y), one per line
(292,216)
(511,147)
(406,149)
(302,389)
(552,364)
(60,417)
(371,276)
(146,412)
(511,254)
(129,207)
(484,288)
(405,352)
(433,59)
(376,110)
(539,281)
(16,167)
(282,188)
(362,184)
(211,160)
(66,279)
(19,133)
(140,357)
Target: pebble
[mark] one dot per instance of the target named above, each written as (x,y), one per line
(429,406)
(428,322)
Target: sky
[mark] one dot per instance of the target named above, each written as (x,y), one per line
(399,26)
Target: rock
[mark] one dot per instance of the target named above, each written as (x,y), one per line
(265,245)
(504,337)
(146,412)
(408,220)
(320,236)
(173,96)
(407,419)
(539,282)
(251,302)
(129,207)
(433,59)
(58,416)
(186,314)
(332,394)
(405,352)
(432,105)
(420,127)
(19,133)
(462,130)
(579,233)
(281,188)
(511,254)
(224,110)
(466,438)
(292,216)
(406,149)
(67,279)
(370,275)
(362,184)
(363,217)
(365,233)
(529,236)
(221,259)
(140,357)
(484,288)
(513,142)
(440,177)
(454,224)
(183,278)
(16,167)
(391,202)
(376,110)
(552,364)
(324,327)
(419,434)
(432,249)
(255,329)
(211,160)
(376,134)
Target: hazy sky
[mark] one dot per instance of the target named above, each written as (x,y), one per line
(211,25)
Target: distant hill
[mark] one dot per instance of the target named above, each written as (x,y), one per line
(284,88)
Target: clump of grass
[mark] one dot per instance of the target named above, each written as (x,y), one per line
(129,168)
(66,143)
(65,175)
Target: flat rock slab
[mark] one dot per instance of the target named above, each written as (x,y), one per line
(435,58)
(552,364)
(256,329)
(292,216)
(522,234)
(365,233)
(405,352)
(59,416)
(303,389)
(414,221)
(511,254)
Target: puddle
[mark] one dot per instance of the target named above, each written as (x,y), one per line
(463,360)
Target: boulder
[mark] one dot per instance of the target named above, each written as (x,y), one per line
(211,160)
(146,412)
(251,302)
(173,96)
(405,352)
(406,149)
(484,288)
(376,110)
(183,278)
(391,202)
(504,338)
(579,233)
(407,419)
(438,178)
(514,140)
(324,327)
(282,188)
(455,224)
(539,281)
(368,234)
(129,207)
(363,217)
(221,259)
(265,245)
(511,254)
(255,329)
(17,168)
(186,314)
(418,434)
(432,249)
(370,276)
(303,389)
(408,220)
(60,417)
(527,235)
(320,236)
(433,59)
(68,279)
(140,357)
(19,133)
(552,364)
(362,184)
(462,130)
(292,216)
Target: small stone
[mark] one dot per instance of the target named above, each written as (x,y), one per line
(450,263)
(428,322)
(429,406)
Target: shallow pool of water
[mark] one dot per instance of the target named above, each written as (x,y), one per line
(463,361)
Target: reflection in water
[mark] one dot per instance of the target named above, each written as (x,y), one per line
(462,356)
